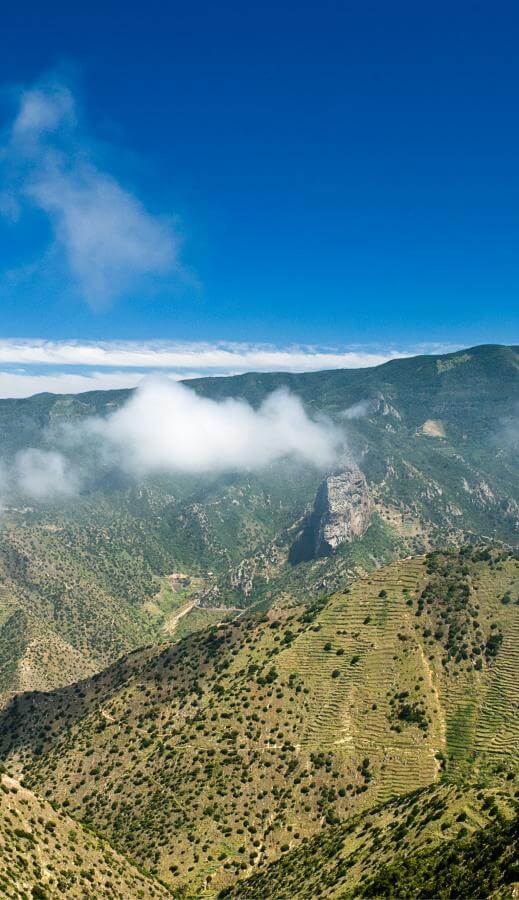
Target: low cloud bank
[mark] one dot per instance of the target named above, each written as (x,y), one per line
(38,475)
(221,357)
(32,366)
(20,384)
(166,427)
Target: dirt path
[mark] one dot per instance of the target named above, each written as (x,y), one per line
(433,687)
(174,618)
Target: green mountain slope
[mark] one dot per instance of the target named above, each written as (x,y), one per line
(80,585)
(45,854)
(82,582)
(204,758)
(72,597)
(440,842)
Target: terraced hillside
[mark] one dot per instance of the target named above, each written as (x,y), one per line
(205,758)
(438,842)
(82,584)
(434,438)
(46,855)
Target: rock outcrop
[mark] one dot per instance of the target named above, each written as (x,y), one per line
(341,513)
(343,508)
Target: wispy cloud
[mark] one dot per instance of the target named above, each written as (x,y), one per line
(44,474)
(107,238)
(219,356)
(32,366)
(38,475)
(357,410)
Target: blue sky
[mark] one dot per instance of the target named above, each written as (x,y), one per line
(335,175)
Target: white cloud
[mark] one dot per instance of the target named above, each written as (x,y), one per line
(16,384)
(111,365)
(357,410)
(76,366)
(221,357)
(43,475)
(108,239)
(166,427)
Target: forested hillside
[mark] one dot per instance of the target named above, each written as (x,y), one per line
(205,758)
(132,561)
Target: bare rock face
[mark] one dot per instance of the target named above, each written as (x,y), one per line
(341,513)
(344,509)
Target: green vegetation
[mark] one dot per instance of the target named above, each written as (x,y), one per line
(203,759)
(79,581)
(489,859)
(435,843)
(44,854)
(196,715)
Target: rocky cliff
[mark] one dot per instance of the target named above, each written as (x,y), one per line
(341,513)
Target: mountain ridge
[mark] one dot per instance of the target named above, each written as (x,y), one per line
(296,377)
(206,757)
(107,555)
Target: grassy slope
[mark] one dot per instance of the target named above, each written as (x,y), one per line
(76,580)
(443,841)
(63,615)
(78,585)
(486,863)
(45,854)
(204,758)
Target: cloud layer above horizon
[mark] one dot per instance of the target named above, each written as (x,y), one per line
(33,366)
(102,235)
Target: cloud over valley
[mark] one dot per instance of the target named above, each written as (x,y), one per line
(167,428)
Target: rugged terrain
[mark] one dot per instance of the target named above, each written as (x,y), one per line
(207,758)
(431,460)
(440,842)
(46,854)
